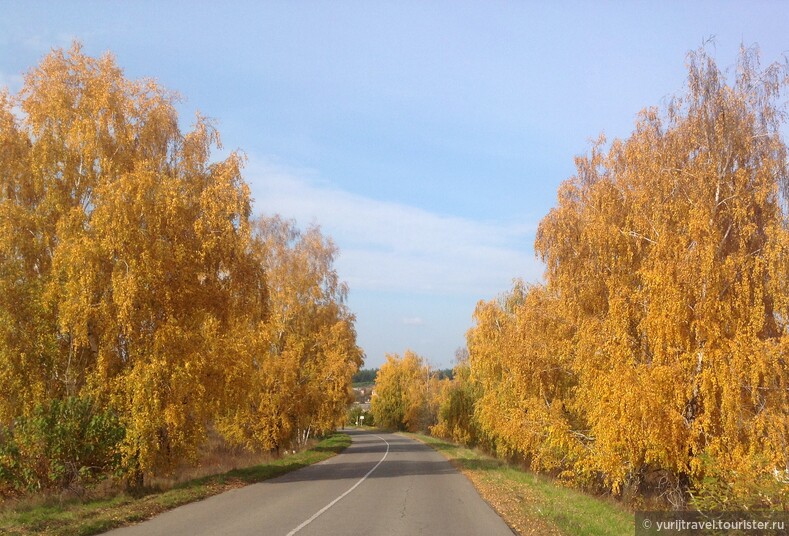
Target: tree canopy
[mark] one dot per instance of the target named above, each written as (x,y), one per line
(655,353)
(133,277)
(406,393)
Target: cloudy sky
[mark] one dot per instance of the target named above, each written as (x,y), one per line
(427,138)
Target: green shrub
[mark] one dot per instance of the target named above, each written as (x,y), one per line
(752,484)
(66,443)
(355,414)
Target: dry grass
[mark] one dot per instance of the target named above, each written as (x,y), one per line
(216,456)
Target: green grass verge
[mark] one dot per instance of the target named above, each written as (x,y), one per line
(532,503)
(86,518)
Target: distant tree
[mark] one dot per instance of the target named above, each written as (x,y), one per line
(445,374)
(456,407)
(365,376)
(406,393)
(300,382)
(355,414)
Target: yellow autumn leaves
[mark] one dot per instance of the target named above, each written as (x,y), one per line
(298,383)
(406,393)
(140,303)
(655,357)
(133,277)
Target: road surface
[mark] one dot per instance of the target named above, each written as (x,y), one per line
(382,484)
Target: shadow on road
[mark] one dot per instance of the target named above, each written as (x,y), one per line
(405,458)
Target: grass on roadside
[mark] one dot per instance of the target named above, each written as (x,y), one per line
(531,503)
(86,518)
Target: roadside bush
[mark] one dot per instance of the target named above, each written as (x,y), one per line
(64,444)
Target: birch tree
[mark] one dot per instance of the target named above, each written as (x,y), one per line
(300,383)
(125,263)
(669,252)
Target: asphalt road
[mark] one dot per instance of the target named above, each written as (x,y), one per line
(382,484)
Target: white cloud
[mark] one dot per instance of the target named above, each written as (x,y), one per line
(44,42)
(388,246)
(413,321)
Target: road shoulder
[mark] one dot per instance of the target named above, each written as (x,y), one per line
(531,503)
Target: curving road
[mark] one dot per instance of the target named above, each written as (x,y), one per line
(382,484)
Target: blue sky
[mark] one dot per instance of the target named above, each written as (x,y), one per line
(427,138)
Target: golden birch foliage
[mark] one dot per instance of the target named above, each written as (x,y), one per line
(669,254)
(388,403)
(406,395)
(26,345)
(456,402)
(300,383)
(126,254)
(520,357)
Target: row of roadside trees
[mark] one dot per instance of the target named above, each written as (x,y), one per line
(653,361)
(141,303)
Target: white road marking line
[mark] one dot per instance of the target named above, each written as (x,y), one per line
(338,499)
